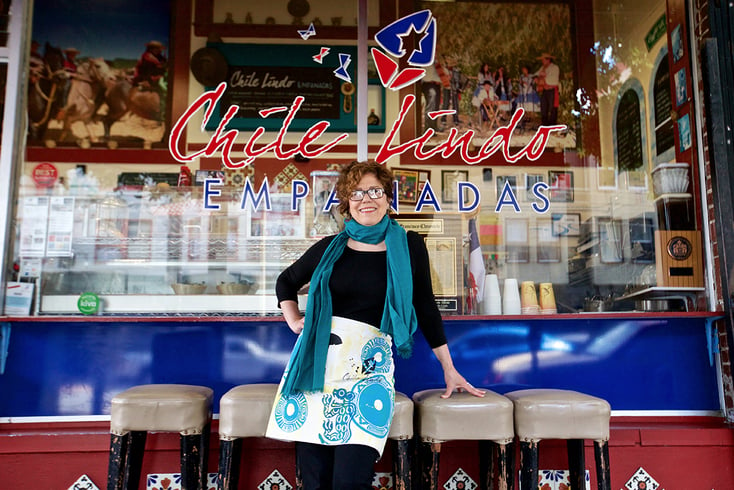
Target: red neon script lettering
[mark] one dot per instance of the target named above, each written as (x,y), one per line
(226,139)
(499,140)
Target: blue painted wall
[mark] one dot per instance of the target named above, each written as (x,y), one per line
(74,368)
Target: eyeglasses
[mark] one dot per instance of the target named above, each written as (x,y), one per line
(373,192)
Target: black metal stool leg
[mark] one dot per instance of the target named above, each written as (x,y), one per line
(401,464)
(134,459)
(528,465)
(603,473)
(430,459)
(486,465)
(230,455)
(191,462)
(117,462)
(509,466)
(576,464)
(204,461)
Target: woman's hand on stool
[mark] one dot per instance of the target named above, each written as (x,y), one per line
(454,380)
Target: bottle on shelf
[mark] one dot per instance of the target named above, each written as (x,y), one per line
(184,177)
(373,119)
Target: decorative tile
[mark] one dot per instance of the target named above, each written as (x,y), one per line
(548,479)
(558,480)
(460,481)
(382,481)
(163,481)
(83,483)
(172,481)
(641,480)
(282,181)
(275,481)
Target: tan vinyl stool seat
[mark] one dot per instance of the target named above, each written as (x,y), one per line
(562,414)
(243,412)
(185,409)
(463,416)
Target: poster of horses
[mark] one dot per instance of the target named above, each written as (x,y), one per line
(98,74)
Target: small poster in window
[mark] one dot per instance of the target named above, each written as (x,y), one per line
(681,93)
(18,298)
(684,132)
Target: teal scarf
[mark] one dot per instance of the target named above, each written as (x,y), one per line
(308,362)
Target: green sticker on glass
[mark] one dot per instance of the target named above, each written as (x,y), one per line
(88,303)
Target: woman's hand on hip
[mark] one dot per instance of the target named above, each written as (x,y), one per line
(296,325)
(292,315)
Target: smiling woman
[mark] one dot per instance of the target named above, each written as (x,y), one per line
(340,375)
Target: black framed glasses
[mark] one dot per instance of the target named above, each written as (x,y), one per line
(373,192)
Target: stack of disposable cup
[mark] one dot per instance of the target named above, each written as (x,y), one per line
(547,299)
(511,298)
(528,299)
(492,300)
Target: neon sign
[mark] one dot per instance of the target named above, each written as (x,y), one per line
(224,139)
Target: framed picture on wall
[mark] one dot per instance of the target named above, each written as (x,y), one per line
(606,178)
(449,181)
(684,132)
(423,177)
(280,221)
(506,180)
(561,185)
(530,181)
(610,240)
(566,224)
(407,185)
(324,221)
(681,92)
(517,249)
(125,105)
(544,39)
(548,245)
(637,180)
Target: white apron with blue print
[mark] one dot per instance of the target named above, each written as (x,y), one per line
(357,403)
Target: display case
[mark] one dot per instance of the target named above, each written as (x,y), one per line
(159,251)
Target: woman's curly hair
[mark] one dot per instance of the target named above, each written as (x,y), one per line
(350,176)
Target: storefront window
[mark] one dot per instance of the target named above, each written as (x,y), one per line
(590,198)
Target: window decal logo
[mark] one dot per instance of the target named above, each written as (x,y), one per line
(390,40)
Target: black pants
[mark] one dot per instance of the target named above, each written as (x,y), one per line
(346,467)
(548,109)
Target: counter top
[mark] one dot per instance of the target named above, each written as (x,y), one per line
(277,318)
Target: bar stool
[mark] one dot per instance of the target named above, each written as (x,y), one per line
(466,417)
(401,433)
(562,414)
(185,409)
(244,412)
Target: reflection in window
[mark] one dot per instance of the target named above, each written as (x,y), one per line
(628,128)
(662,105)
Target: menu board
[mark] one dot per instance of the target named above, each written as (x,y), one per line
(629,132)
(264,76)
(253,88)
(663,105)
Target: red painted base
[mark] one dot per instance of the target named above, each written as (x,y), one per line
(690,452)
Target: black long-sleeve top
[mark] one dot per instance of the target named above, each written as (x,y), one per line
(358,285)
